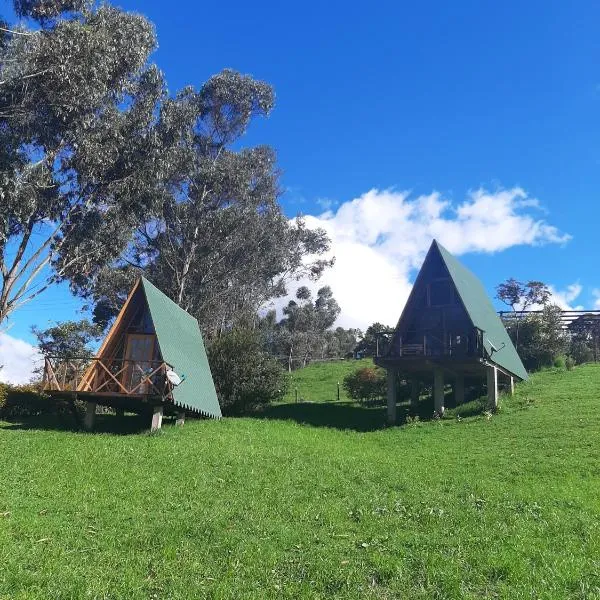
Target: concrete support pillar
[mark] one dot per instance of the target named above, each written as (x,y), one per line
(180,419)
(391,395)
(157,417)
(438,391)
(459,389)
(492,386)
(90,416)
(415,390)
(511,385)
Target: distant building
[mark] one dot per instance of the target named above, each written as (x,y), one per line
(449,332)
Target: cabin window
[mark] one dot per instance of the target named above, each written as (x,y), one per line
(441,293)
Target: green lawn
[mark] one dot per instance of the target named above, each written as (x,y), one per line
(318,382)
(502,506)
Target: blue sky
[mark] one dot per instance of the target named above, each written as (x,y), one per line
(429,97)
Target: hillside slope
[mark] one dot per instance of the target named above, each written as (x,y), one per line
(503,506)
(318,381)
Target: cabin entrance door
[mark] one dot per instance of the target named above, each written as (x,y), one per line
(139,350)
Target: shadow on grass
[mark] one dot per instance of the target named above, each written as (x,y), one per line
(110,424)
(344,415)
(359,417)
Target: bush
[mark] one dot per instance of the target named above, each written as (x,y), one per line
(560,362)
(570,363)
(366,384)
(28,401)
(245,376)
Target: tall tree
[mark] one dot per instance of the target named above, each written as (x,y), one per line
(521,296)
(218,242)
(78,161)
(303,329)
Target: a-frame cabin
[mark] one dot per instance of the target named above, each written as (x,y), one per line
(449,331)
(153,358)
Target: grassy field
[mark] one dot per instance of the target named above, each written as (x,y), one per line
(318,382)
(502,506)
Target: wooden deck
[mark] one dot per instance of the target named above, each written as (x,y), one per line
(107,378)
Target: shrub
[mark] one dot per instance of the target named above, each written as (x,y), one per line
(27,401)
(580,351)
(245,376)
(560,362)
(569,363)
(366,384)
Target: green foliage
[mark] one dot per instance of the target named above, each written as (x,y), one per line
(42,10)
(560,362)
(366,384)
(79,172)
(103,170)
(541,337)
(570,363)
(18,401)
(377,337)
(580,351)
(68,339)
(304,332)
(245,376)
(256,508)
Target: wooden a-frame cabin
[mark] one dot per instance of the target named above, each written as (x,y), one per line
(449,332)
(152,359)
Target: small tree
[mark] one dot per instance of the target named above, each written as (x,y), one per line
(366,384)
(68,339)
(543,338)
(245,376)
(521,296)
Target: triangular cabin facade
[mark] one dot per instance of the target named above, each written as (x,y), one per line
(449,332)
(153,358)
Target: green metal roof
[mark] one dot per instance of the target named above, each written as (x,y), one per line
(483,316)
(181,345)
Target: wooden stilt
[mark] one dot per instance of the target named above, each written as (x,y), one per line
(391,396)
(511,384)
(459,389)
(438,391)
(180,418)
(415,390)
(90,416)
(157,417)
(492,386)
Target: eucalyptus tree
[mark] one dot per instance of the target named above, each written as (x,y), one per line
(78,158)
(218,242)
(303,330)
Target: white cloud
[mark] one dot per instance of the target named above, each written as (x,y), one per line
(18,359)
(565,298)
(381,237)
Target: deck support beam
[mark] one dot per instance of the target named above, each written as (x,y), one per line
(511,385)
(415,390)
(492,386)
(459,389)
(438,391)
(180,419)
(391,395)
(90,416)
(157,417)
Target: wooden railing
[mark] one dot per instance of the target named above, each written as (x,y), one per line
(466,344)
(107,376)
